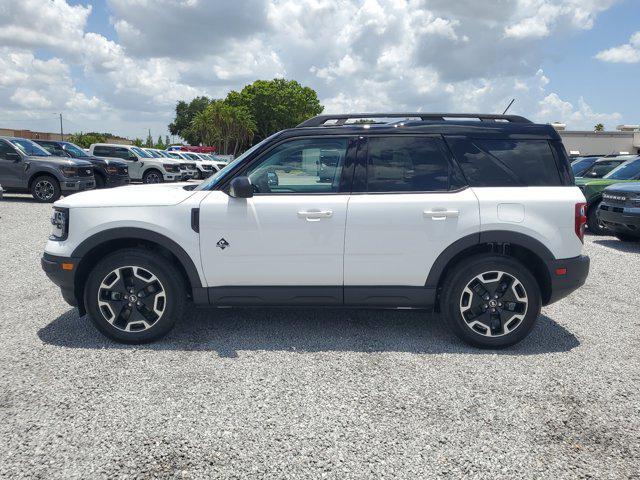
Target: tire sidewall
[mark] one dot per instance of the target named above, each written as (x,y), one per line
(593,223)
(463,274)
(166,274)
(56,188)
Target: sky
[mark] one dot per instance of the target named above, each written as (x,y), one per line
(120,66)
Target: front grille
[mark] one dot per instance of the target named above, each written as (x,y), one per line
(207,167)
(615,198)
(191,166)
(183,166)
(85,171)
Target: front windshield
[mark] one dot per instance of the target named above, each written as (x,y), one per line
(213,179)
(627,171)
(580,165)
(161,153)
(153,153)
(28,147)
(174,155)
(192,156)
(141,153)
(74,150)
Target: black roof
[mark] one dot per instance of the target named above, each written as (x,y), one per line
(474,125)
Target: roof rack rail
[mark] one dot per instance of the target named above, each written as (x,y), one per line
(341,119)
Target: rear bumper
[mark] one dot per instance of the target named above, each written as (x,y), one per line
(566,276)
(620,220)
(65,279)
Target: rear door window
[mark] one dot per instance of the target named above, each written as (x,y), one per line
(506,163)
(103,151)
(401,163)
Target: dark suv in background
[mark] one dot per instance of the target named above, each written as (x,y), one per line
(27,168)
(108,172)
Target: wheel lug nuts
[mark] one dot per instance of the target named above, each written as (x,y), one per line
(495,296)
(493,309)
(130,304)
(485,306)
(499,304)
(486,297)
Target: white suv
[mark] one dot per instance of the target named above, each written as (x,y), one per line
(187,167)
(477,219)
(204,169)
(142,166)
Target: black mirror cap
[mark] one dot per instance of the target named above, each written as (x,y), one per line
(241,187)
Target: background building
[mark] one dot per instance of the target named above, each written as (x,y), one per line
(624,140)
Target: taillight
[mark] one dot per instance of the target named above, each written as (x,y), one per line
(581,220)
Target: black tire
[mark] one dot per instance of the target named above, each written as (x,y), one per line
(152,176)
(594,225)
(455,301)
(45,189)
(159,308)
(99,181)
(624,237)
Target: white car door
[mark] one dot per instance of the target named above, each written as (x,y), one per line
(287,241)
(410,207)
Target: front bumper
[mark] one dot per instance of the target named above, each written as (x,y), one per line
(620,219)
(172,177)
(62,277)
(117,180)
(566,275)
(73,185)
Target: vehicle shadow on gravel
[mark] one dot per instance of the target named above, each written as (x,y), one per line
(227,331)
(17,199)
(627,247)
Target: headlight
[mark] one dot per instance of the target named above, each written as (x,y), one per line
(69,171)
(170,167)
(60,222)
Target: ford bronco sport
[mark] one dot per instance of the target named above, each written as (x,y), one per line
(475,216)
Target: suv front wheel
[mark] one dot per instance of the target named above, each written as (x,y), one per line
(152,176)
(490,301)
(134,296)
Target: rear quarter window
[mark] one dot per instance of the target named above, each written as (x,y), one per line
(506,163)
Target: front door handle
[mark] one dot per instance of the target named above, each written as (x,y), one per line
(314,215)
(441,214)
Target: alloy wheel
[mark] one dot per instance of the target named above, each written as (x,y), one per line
(44,190)
(131,298)
(153,178)
(494,303)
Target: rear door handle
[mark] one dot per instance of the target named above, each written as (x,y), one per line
(314,215)
(441,214)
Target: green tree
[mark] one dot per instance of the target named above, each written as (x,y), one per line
(149,142)
(85,140)
(159,144)
(276,104)
(185,113)
(167,142)
(599,127)
(138,142)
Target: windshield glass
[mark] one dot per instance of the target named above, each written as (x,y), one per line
(74,150)
(216,177)
(579,166)
(174,155)
(192,156)
(627,171)
(153,153)
(29,148)
(141,153)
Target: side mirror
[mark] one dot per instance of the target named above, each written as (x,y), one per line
(241,188)
(594,174)
(12,156)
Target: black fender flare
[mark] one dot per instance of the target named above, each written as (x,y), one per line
(132,233)
(491,236)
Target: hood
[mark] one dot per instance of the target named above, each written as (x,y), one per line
(628,186)
(597,182)
(156,195)
(72,162)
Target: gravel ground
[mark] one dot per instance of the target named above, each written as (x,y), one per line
(316,393)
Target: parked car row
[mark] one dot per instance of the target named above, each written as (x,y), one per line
(48,169)
(611,186)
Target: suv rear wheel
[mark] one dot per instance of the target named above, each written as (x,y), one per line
(134,296)
(45,189)
(490,301)
(152,176)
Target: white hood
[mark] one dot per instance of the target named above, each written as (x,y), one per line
(129,196)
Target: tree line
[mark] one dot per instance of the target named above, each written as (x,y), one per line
(242,118)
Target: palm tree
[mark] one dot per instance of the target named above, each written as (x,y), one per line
(599,127)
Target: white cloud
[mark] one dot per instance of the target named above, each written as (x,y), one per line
(553,107)
(357,54)
(626,53)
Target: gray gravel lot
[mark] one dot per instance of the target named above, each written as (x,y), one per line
(315,393)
